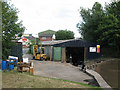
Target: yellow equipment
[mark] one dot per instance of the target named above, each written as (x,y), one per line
(37,55)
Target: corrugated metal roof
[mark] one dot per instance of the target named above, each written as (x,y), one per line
(74,43)
(54,42)
(68,43)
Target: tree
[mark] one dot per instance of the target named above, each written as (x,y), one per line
(110,26)
(102,26)
(91,18)
(35,41)
(114,8)
(47,32)
(64,35)
(110,32)
(11,28)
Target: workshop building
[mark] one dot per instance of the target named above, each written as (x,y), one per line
(75,51)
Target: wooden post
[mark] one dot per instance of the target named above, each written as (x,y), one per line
(31,70)
(63,54)
(51,53)
(84,53)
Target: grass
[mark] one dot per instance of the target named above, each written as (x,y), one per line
(25,80)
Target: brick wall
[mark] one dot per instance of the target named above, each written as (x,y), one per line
(47,39)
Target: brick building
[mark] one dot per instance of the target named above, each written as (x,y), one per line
(47,37)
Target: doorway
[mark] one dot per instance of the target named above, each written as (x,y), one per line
(75,55)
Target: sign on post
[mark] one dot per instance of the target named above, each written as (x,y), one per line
(92,49)
(98,48)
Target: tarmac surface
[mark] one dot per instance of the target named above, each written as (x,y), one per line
(59,70)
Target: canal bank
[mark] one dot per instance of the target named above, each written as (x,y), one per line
(107,68)
(102,83)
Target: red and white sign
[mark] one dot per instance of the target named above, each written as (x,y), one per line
(98,48)
(24,39)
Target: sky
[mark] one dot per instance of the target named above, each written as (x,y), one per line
(41,15)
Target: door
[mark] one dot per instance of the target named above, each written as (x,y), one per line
(57,53)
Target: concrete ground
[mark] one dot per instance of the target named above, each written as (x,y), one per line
(60,71)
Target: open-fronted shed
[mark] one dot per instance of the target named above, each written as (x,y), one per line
(75,51)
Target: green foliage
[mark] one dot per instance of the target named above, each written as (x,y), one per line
(29,51)
(114,8)
(101,26)
(35,41)
(91,18)
(108,31)
(64,35)
(47,32)
(10,27)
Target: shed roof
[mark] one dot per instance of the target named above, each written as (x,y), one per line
(68,43)
(74,43)
(53,42)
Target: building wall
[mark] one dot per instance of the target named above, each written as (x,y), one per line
(47,39)
(92,55)
(47,51)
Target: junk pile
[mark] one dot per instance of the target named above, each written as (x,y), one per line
(12,64)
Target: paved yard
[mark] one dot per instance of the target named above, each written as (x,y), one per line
(59,70)
(25,50)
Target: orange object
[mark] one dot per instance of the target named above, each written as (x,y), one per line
(31,70)
(24,39)
(98,48)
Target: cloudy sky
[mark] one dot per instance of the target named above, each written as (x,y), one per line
(41,15)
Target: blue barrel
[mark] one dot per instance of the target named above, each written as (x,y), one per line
(16,61)
(11,65)
(4,65)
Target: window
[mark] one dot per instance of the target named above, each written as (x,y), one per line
(43,37)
